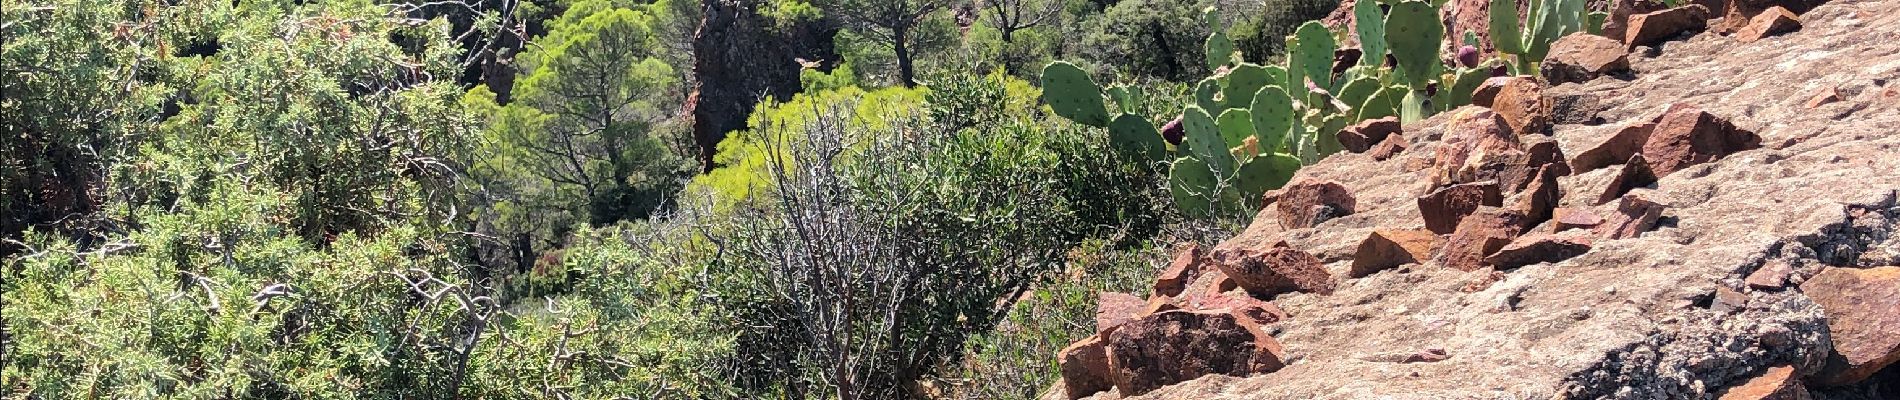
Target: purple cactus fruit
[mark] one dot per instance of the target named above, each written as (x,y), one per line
(1499,71)
(1173,132)
(1431,89)
(1467,56)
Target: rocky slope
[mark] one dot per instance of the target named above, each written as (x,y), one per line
(1718,290)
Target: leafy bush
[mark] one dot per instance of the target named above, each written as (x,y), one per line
(1150,38)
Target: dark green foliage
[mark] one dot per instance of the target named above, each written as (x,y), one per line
(1261,35)
(1153,38)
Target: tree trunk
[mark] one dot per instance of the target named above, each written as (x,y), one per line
(906,75)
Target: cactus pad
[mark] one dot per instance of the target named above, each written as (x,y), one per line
(1193,185)
(1315,51)
(1414,32)
(1220,50)
(1272,118)
(1073,95)
(1383,104)
(1236,125)
(1131,134)
(1355,92)
(1242,83)
(1263,173)
(1205,93)
(1505,33)
(1204,141)
(1371,26)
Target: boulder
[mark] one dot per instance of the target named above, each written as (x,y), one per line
(1539,248)
(1362,136)
(1861,322)
(1391,146)
(1271,271)
(1773,21)
(1576,107)
(1177,346)
(1307,203)
(1114,308)
(1634,215)
(1613,150)
(1182,271)
(1777,383)
(1581,57)
(1620,12)
(1649,29)
(1487,91)
(1444,208)
(1242,305)
(1738,14)
(1521,103)
(1084,366)
(1686,135)
(1477,145)
(1636,173)
(1480,235)
(1383,249)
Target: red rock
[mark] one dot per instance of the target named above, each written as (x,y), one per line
(1539,152)
(1574,218)
(1649,29)
(1740,13)
(1255,310)
(1773,21)
(1085,369)
(1271,271)
(1521,103)
(1826,96)
(1442,209)
(1361,137)
(1391,146)
(1771,275)
(1861,322)
(1635,174)
(1477,146)
(1539,200)
(1685,135)
(1157,305)
(1487,91)
(1478,236)
(1177,346)
(1185,267)
(1634,215)
(1538,248)
(1777,383)
(1728,301)
(1385,249)
(1622,10)
(1613,150)
(1582,57)
(1307,203)
(1112,309)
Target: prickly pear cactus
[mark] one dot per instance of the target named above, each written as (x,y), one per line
(1220,50)
(1505,33)
(1355,92)
(1272,114)
(1205,93)
(1414,32)
(1467,81)
(1193,186)
(1315,50)
(1134,135)
(1412,107)
(1242,82)
(1383,104)
(1371,29)
(1236,125)
(1265,172)
(1326,139)
(1073,95)
(1123,104)
(1205,142)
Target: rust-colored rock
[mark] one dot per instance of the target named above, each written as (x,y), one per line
(1620,12)
(1182,271)
(1383,249)
(1652,28)
(1581,57)
(1177,346)
(1479,146)
(1427,355)
(1634,215)
(1727,301)
(1773,21)
(1307,203)
(1487,91)
(1771,276)
(1828,95)
(1539,248)
(1480,235)
(1636,173)
(1242,305)
(1739,14)
(1777,383)
(1861,321)
(1521,103)
(1444,208)
(1574,218)
(1685,135)
(1271,271)
(1114,308)
(1613,150)
(1539,200)
(1084,366)
(1539,151)
(1391,146)
(1362,136)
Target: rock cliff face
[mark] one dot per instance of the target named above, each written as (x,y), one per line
(741,56)
(1723,228)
